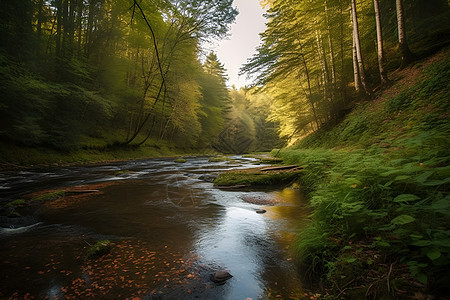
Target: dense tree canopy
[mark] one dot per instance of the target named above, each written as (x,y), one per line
(316,56)
(82,73)
(92,73)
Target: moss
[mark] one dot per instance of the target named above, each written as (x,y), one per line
(49,196)
(180,160)
(272,161)
(256,179)
(17,203)
(218,159)
(14,214)
(266,158)
(121,172)
(99,249)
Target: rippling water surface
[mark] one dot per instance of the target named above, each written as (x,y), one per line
(169,227)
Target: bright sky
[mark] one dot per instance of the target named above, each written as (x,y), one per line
(243,41)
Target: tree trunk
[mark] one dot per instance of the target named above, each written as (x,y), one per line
(58,26)
(79,24)
(71,26)
(383,74)
(355,66)
(343,83)
(65,19)
(309,85)
(40,17)
(362,75)
(89,29)
(330,45)
(407,56)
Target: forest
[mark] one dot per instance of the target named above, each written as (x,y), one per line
(104,74)
(354,91)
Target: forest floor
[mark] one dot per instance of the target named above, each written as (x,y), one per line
(378,184)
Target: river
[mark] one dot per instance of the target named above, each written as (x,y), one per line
(169,228)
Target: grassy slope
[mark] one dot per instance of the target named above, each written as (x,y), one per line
(378,182)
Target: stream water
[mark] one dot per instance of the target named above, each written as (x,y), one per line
(169,228)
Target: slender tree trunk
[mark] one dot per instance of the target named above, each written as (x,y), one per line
(407,56)
(50,38)
(58,26)
(71,26)
(383,74)
(79,24)
(39,19)
(309,85)
(65,19)
(343,83)
(89,29)
(355,66)
(330,45)
(357,45)
(322,57)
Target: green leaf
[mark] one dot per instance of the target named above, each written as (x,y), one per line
(387,184)
(416,236)
(402,220)
(423,278)
(437,182)
(402,177)
(424,176)
(405,198)
(433,253)
(421,243)
(389,173)
(441,204)
(349,259)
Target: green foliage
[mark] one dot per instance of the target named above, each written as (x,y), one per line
(435,88)
(99,81)
(99,249)
(381,179)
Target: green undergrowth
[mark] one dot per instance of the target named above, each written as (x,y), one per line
(378,184)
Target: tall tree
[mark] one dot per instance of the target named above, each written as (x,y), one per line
(380,49)
(406,54)
(357,45)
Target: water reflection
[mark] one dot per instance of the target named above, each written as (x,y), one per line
(254,248)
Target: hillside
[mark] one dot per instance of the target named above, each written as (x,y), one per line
(378,182)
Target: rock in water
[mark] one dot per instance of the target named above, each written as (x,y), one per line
(261,211)
(220,277)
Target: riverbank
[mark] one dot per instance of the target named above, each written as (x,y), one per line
(13,157)
(378,185)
